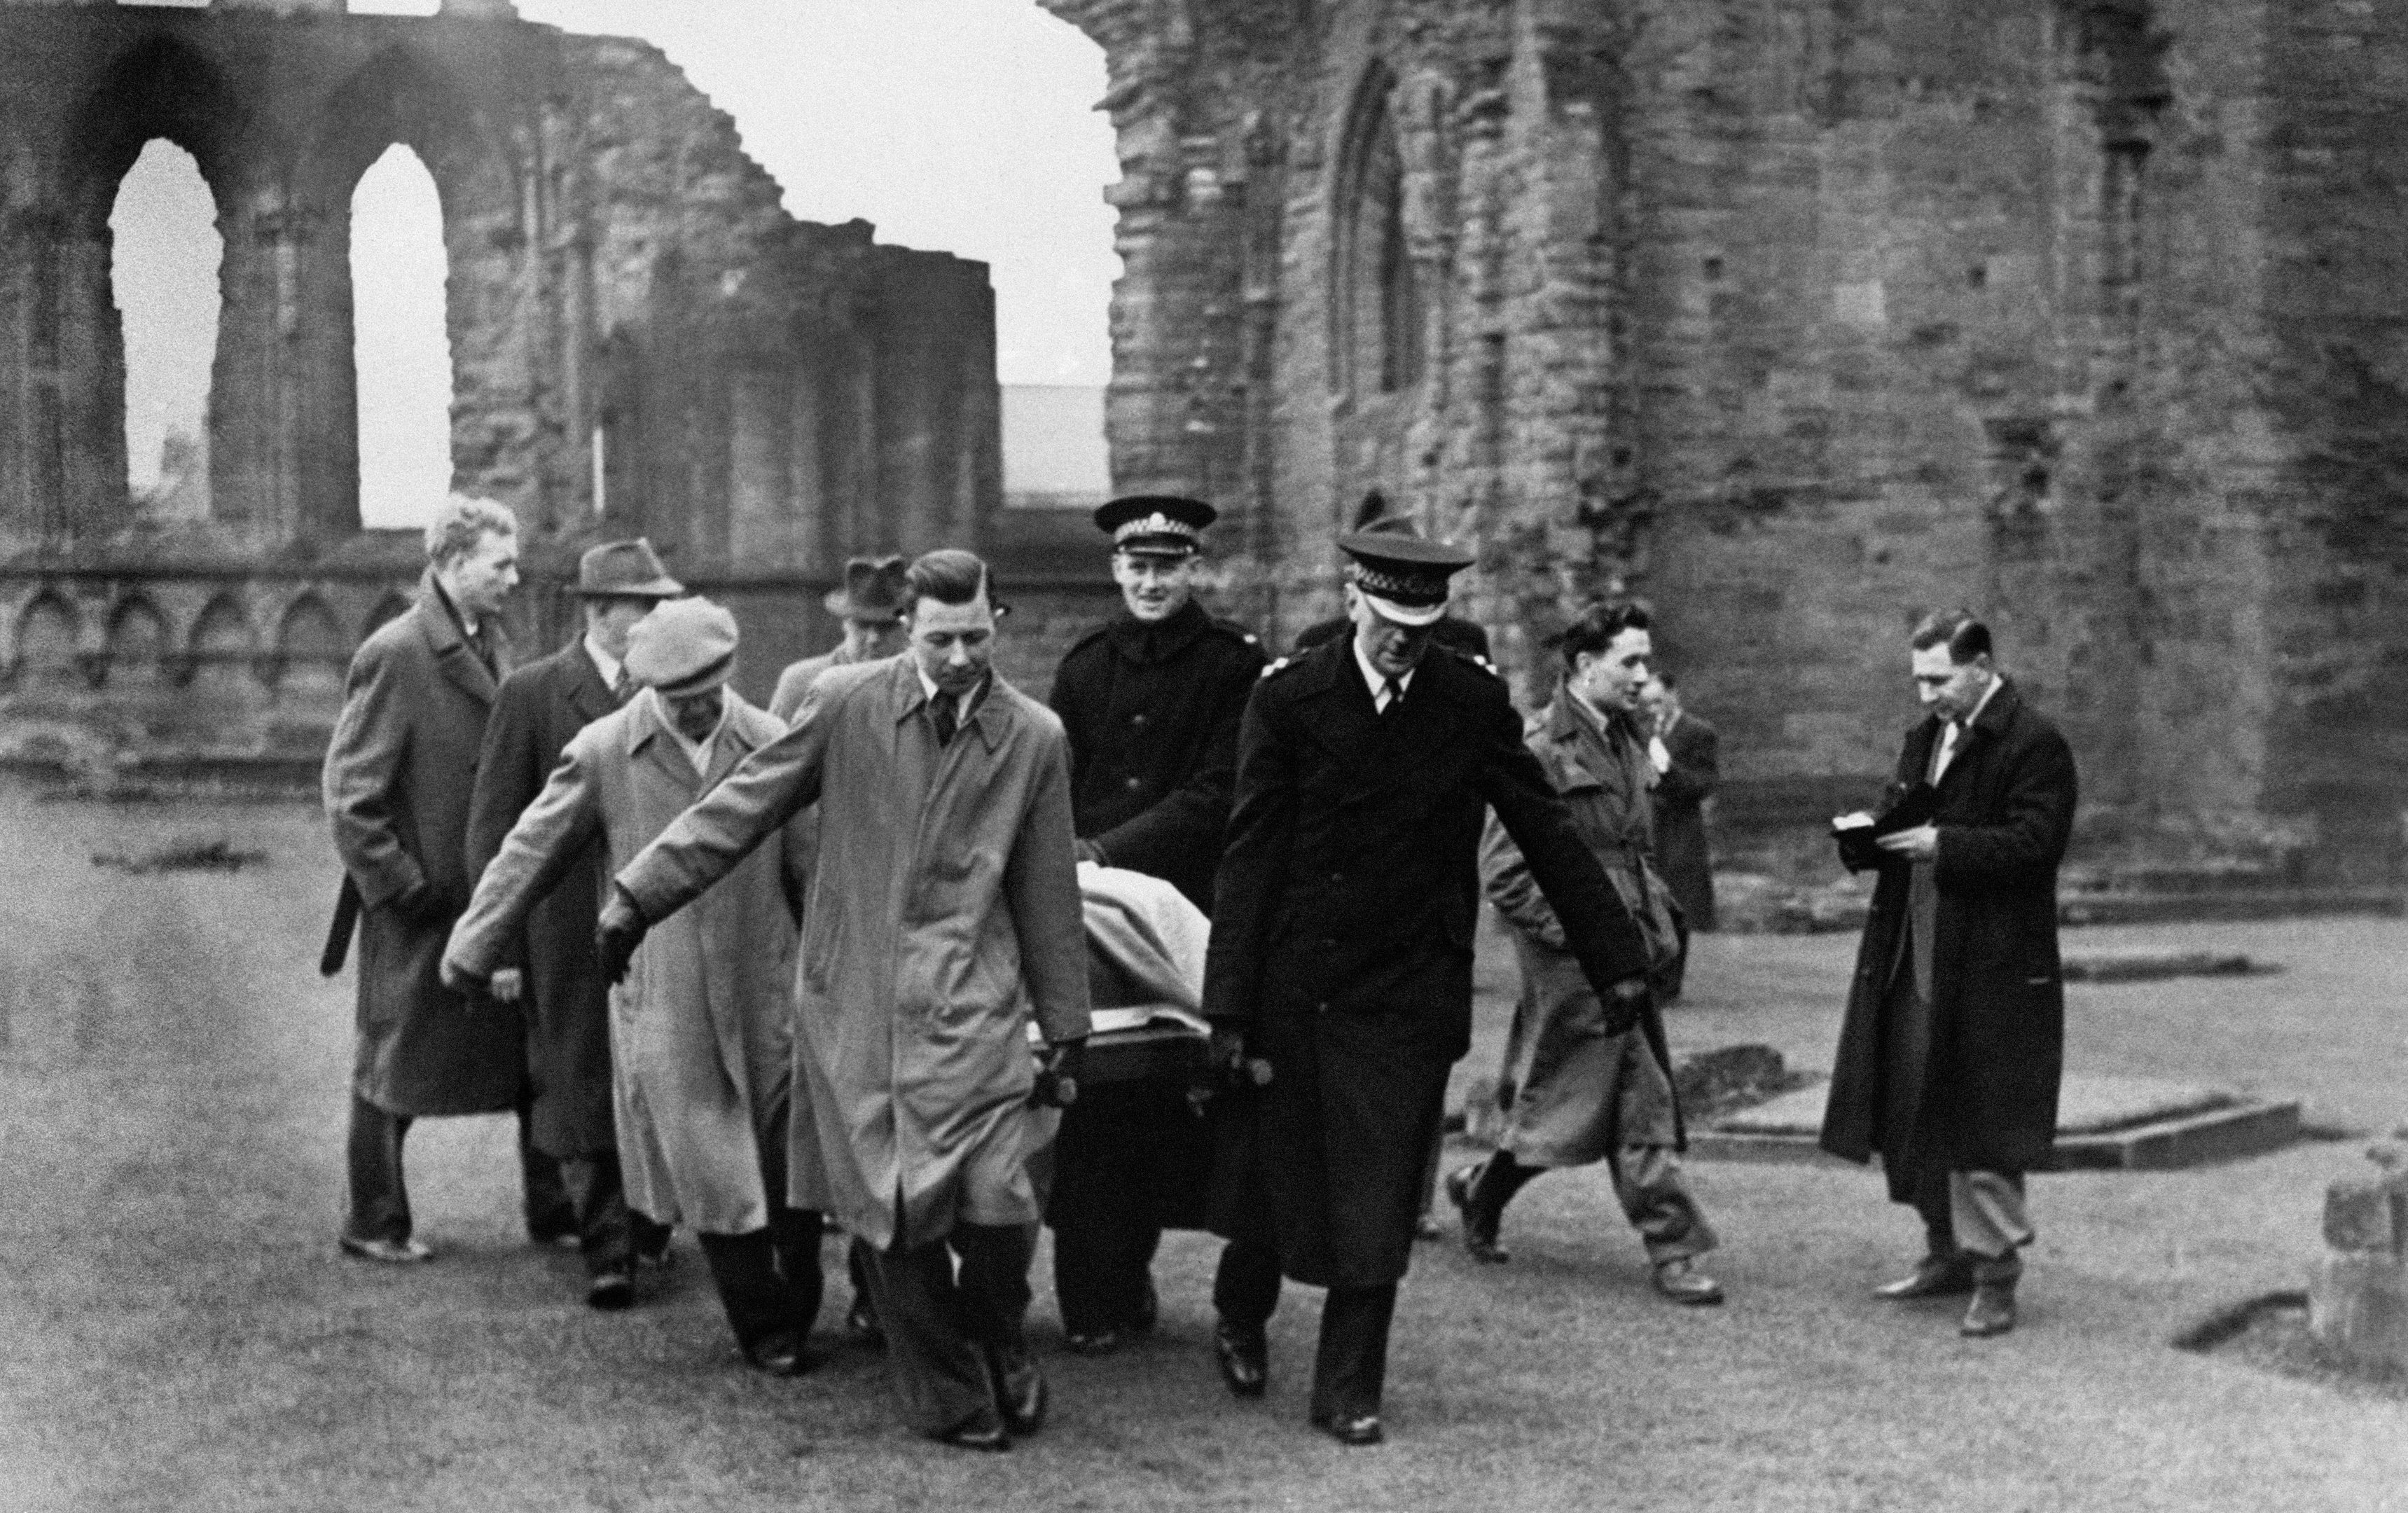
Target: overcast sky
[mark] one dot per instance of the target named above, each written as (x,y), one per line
(961,126)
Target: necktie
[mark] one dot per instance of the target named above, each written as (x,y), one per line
(1392,693)
(944,710)
(1945,751)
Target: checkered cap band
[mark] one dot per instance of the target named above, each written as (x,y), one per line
(1173,532)
(1402,582)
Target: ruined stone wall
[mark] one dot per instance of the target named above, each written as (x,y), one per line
(1803,317)
(770,396)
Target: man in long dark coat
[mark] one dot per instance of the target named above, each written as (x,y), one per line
(1950,1054)
(551,971)
(398,772)
(1150,701)
(1342,957)
(1687,754)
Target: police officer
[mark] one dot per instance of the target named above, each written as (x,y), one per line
(1342,957)
(1150,701)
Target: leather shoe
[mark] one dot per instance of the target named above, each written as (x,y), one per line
(1352,1427)
(612,1291)
(1427,1228)
(975,1433)
(1098,1342)
(861,1325)
(778,1355)
(1992,1309)
(1680,1280)
(377,1248)
(1934,1276)
(1245,1359)
(1478,1230)
(1019,1389)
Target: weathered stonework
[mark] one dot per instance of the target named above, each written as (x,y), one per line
(771,396)
(1803,317)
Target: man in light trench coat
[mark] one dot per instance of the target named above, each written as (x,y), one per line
(398,773)
(701,1030)
(942,914)
(1572,1093)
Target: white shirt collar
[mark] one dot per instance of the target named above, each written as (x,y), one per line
(603,662)
(1373,677)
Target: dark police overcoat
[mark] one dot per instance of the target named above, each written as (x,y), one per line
(1152,712)
(1342,937)
(566,1001)
(1968,1080)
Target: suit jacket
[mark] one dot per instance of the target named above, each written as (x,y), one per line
(1342,940)
(1151,714)
(399,771)
(568,1002)
(1967,1076)
(942,917)
(1682,854)
(702,1030)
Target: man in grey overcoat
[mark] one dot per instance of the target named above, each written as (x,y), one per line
(550,970)
(701,1030)
(1953,1041)
(1571,1092)
(398,773)
(942,918)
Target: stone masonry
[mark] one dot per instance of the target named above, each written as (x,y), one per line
(770,395)
(1802,317)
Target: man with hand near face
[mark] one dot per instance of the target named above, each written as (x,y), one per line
(941,916)
(1953,1041)
(549,969)
(1150,703)
(1341,958)
(1571,1091)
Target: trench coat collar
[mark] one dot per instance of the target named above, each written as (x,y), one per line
(905,696)
(1601,745)
(1159,641)
(454,657)
(647,726)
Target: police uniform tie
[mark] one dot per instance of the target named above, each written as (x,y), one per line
(1392,693)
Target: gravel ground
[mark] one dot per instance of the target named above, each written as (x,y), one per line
(180,1334)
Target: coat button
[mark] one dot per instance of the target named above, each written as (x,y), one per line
(1320,1008)
(1137,720)
(1135,783)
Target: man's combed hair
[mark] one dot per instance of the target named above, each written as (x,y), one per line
(950,575)
(1594,630)
(461,523)
(1965,637)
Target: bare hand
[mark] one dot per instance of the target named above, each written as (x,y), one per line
(617,934)
(459,978)
(508,983)
(1921,843)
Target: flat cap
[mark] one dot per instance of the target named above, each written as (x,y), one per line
(686,646)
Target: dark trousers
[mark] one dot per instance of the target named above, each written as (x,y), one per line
(1131,1160)
(768,1280)
(380,1199)
(1350,1368)
(608,1232)
(942,1326)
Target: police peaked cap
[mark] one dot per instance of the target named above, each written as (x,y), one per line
(1156,524)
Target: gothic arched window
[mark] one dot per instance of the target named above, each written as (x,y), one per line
(1374,300)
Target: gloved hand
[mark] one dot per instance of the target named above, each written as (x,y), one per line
(1057,1074)
(1626,1006)
(617,934)
(459,978)
(1089,851)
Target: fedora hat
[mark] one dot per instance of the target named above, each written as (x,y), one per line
(686,646)
(872,590)
(625,569)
